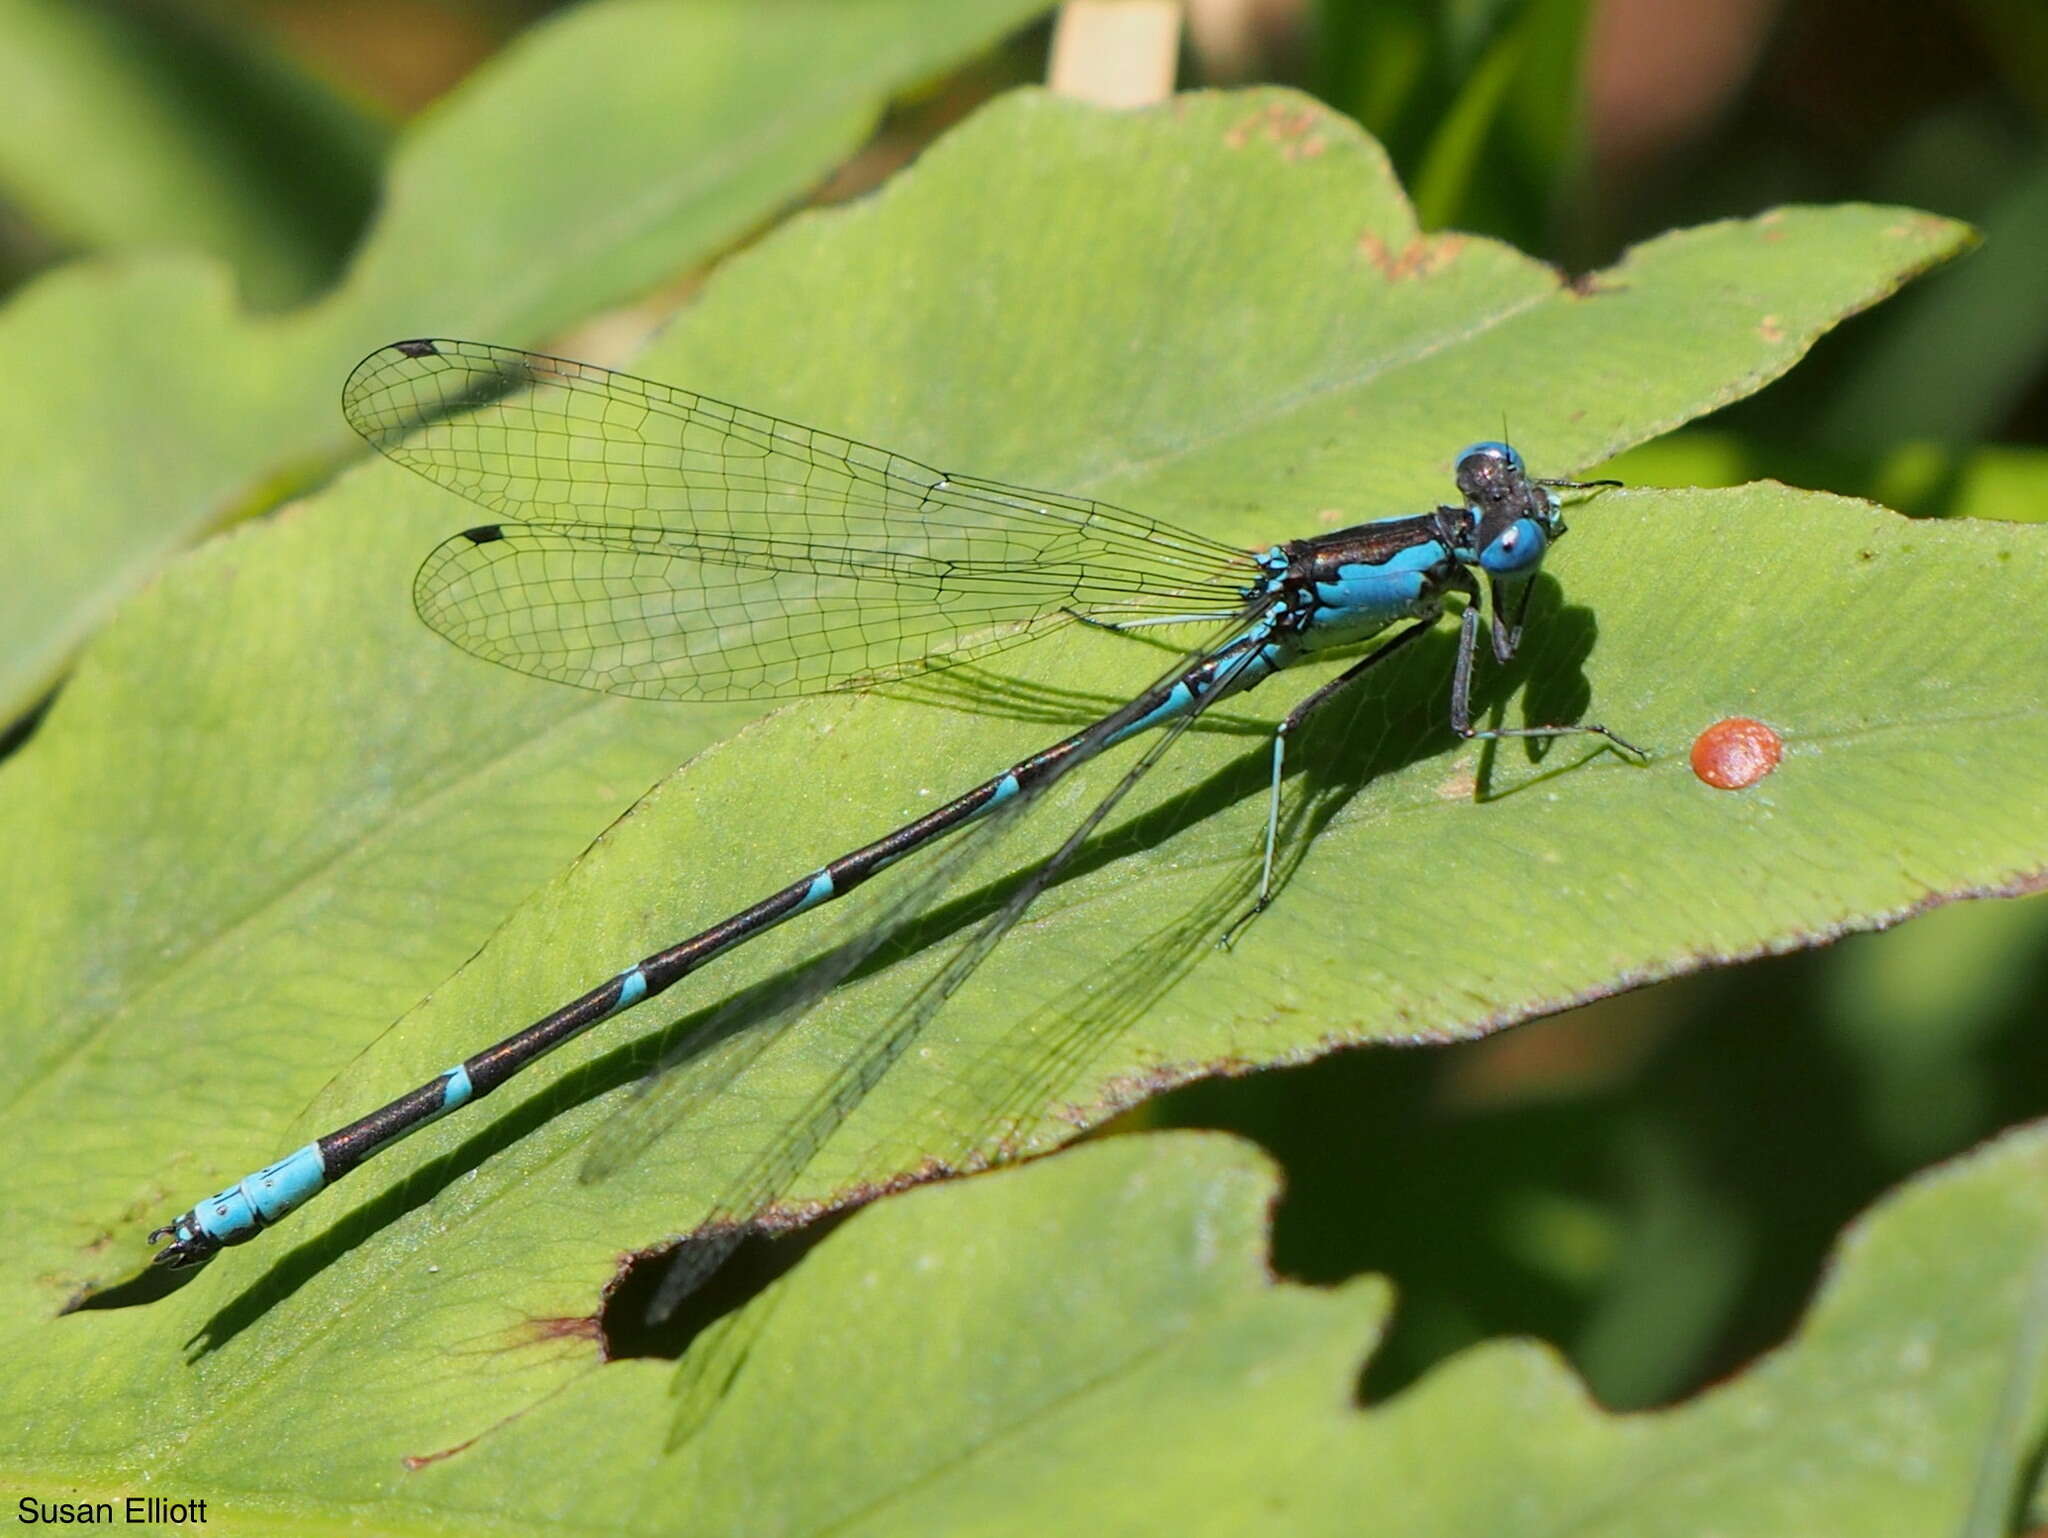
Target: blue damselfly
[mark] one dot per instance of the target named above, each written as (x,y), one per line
(657,543)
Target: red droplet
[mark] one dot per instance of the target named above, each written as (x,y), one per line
(1736,752)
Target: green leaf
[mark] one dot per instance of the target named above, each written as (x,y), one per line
(1957,361)
(1105,1323)
(133,126)
(605,151)
(966,1359)
(270,813)
(1924,480)
(1474,172)
(1482,101)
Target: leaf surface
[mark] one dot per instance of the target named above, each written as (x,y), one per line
(1221,313)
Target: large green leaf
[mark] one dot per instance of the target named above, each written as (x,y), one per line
(1102,1329)
(1106,1325)
(604,152)
(270,813)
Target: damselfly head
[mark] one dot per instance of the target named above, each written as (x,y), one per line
(1514,518)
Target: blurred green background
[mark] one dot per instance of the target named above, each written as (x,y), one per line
(1681,1157)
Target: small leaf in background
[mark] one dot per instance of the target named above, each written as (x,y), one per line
(605,150)
(154,127)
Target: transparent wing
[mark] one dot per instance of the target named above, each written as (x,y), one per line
(721,1051)
(661,544)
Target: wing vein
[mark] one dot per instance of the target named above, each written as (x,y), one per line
(663,544)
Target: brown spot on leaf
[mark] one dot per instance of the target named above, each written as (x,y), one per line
(414,1462)
(1771,329)
(1424,256)
(1290,125)
(1122,1091)
(1922,227)
(558,1327)
(1461,784)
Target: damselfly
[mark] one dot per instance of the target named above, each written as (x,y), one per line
(657,543)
